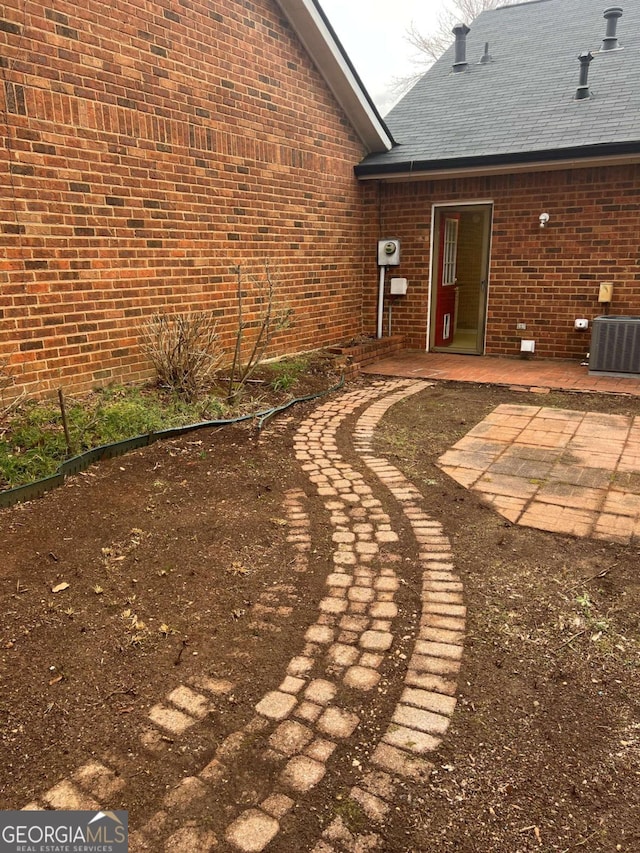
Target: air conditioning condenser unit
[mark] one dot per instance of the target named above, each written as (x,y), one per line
(615,345)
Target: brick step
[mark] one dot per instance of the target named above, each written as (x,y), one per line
(353,357)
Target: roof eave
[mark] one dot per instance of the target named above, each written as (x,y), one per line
(495,164)
(321,42)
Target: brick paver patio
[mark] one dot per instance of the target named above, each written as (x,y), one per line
(532,374)
(555,469)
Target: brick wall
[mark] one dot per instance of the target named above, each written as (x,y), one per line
(149,146)
(545,278)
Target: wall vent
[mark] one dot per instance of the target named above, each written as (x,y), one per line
(615,345)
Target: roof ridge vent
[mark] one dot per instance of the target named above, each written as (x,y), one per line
(486,56)
(611,16)
(582,91)
(461,31)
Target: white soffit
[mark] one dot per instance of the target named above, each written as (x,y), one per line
(329,57)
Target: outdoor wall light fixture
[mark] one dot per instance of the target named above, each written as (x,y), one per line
(544,218)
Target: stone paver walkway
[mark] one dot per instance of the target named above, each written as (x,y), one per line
(555,469)
(312,717)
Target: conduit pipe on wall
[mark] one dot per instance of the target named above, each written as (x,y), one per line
(380,302)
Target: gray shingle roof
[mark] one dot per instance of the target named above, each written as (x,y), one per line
(521,106)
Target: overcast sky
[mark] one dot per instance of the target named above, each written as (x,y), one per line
(372,32)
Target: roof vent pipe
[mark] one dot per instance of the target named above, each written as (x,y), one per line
(583,86)
(611,15)
(486,56)
(460,31)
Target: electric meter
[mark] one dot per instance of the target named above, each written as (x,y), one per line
(388,253)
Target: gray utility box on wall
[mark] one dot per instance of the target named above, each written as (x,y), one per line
(615,345)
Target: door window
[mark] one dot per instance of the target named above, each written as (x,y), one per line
(450,251)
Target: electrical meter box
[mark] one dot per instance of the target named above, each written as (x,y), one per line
(398,287)
(388,253)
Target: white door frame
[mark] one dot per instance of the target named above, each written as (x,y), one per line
(457,204)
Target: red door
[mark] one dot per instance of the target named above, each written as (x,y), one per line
(446,289)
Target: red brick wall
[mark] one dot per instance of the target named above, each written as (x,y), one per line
(148,146)
(545,278)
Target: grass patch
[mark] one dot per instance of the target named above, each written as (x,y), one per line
(32,440)
(284,375)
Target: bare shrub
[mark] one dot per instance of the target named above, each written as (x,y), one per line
(8,402)
(269,317)
(184,351)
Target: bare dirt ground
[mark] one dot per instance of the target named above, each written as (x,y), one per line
(173,563)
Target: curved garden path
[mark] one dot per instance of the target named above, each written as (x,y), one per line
(330,703)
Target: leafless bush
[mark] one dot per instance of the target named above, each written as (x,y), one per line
(268,318)
(184,351)
(7,381)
